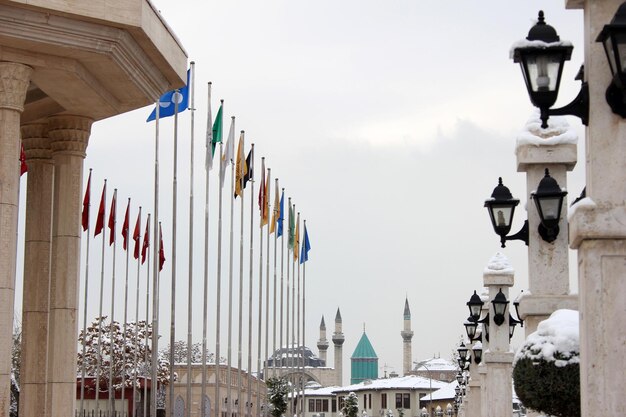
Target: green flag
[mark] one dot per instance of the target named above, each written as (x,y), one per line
(217,133)
(292,226)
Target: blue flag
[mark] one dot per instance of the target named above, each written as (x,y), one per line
(167,105)
(279,230)
(306,246)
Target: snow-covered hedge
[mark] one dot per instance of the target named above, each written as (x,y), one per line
(546,369)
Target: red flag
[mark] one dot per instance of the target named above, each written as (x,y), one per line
(146,241)
(125,227)
(136,236)
(85,218)
(112,219)
(100,218)
(161,251)
(23,166)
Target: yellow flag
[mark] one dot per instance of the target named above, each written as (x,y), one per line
(276,211)
(266,201)
(241,168)
(296,239)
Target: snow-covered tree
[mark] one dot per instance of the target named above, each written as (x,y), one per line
(180,353)
(350,405)
(277,389)
(126,355)
(16,358)
(546,371)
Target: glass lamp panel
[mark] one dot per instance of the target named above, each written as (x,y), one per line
(470,329)
(620,44)
(550,207)
(499,308)
(608,49)
(543,71)
(502,215)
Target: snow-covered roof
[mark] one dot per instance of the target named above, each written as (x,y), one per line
(557,334)
(321,391)
(403,382)
(437,364)
(445,393)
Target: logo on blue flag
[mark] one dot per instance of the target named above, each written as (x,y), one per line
(167,102)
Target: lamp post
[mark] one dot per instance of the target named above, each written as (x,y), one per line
(430,379)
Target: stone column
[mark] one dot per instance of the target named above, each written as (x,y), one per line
(598,231)
(14,79)
(498,359)
(38,236)
(407,335)
(69,136)
(471,403)
(548,265)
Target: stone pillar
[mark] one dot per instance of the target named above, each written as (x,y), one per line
(338,339)
(407,335)
(598,231)
(37,245)
(498,359)
(471,403)
(68,139)
(14,79)
(548,266)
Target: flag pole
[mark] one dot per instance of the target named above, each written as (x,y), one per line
(192,72)
(267,285)
(229,395)
(112,215)
(275,221)
(296,244)
(249,399)
(173,283)
(218,402)
(205,294)
(125,227)
(287,333)
(261,207)
(84,346)
(99,353)
(303,262)
(154,288)
(241,172)
(293,319)
(282,258)
(155,274)
(136,333)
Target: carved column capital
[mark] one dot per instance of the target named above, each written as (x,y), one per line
(14,80)
(69,134)
(35,141)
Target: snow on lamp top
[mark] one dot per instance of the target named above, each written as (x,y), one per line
(498,264)
(558,132)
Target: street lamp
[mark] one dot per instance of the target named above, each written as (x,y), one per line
(542,56)
(548,199)
(613,37)
(499,303)
(462,350)
(478,352)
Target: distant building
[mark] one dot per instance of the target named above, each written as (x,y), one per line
(436,368)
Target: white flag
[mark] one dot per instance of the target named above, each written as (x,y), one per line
(229,151)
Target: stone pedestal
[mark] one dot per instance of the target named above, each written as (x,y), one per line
(498,358)
(548,266)
(14,79)
(37,245)
(68,139)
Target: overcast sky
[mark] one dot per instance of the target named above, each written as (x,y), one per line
(388,123)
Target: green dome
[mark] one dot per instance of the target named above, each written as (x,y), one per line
(364,349)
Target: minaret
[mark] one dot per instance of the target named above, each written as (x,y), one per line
(338,340)
(322,343)
(407,335)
